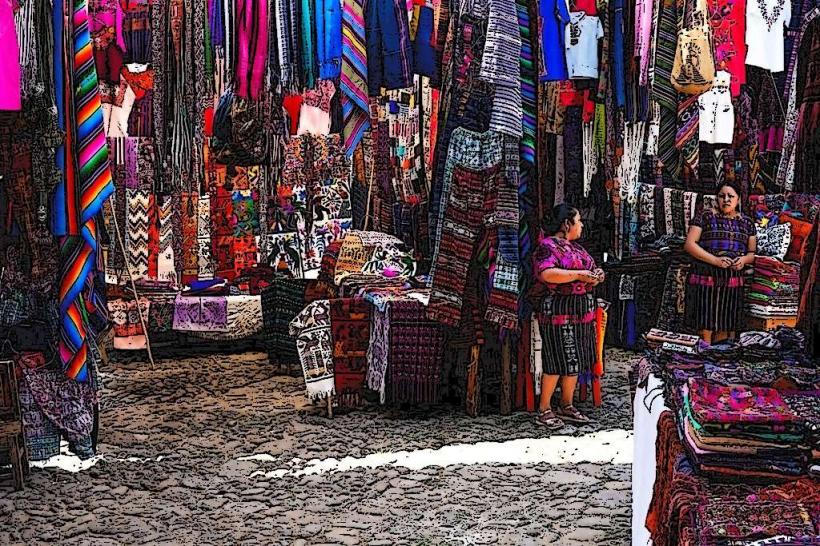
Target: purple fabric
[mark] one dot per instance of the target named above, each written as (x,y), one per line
(207,314)
(723,236)
(68,404)
(217,25)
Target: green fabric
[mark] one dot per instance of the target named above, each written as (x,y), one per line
(209,54)
(307,41)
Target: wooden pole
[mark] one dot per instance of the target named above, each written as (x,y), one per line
(506,376)
(330,407)
(472,381)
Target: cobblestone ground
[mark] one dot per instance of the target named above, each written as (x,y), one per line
(171,470)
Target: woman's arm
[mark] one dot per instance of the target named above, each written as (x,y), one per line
(749,257)
(696,251)
(555,275)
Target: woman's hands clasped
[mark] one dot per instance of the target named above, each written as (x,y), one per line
(594,277)
(729,263)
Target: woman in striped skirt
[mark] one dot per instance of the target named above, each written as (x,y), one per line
(566,314)
(723,243)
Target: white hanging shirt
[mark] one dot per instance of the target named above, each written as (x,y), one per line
(765,25)
(581,42)
(717,116)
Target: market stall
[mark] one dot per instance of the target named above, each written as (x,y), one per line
(728,443)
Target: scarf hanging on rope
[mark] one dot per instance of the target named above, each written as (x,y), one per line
(353,82)
(527,177)
(252,35)
(686,137)
(590,157)
(630,166)
(86,185)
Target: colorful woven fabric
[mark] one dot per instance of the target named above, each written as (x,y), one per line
(86,184)
(350,331)
(414,369)
(193,314)
(314,342)
(476,183)
(723,236)
(353,83)
(716,404)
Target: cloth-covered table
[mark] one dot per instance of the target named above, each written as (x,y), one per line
(648,405)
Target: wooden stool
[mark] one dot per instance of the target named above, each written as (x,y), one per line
(11,425)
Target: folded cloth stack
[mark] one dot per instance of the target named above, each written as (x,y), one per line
(655,338)
(774,289)
(689,509)
(741,432)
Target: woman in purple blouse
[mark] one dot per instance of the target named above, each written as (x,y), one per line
(723,243)
(566,314)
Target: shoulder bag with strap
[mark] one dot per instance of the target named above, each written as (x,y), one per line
(694,68)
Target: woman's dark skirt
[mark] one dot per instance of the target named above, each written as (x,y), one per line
(714,298)
(568,333)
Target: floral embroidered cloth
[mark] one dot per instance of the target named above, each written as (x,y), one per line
(729,404)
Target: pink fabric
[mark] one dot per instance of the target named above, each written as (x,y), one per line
(643,36)
(106,14)
(252,37)
(9,59)
(728,19)
(555,252)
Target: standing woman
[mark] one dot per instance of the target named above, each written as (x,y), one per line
(723,243)
(566,314)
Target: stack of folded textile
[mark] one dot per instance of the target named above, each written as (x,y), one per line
(774,289)
(689,509)
(742,432)
(685,343)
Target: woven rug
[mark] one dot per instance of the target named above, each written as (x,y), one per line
(314,343)
(243,320)
(350,330)
(281,302)
(207,314)
(414,369)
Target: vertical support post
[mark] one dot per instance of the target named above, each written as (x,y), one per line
(506,376)
(472,381)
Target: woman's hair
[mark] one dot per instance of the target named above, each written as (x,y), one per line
(736,188)
(560,214)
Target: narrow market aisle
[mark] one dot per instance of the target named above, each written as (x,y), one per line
(218,450)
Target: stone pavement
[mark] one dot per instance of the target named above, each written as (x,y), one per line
(218,450)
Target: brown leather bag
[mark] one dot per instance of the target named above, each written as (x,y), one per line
(694,68)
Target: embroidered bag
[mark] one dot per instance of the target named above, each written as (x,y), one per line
(694,66)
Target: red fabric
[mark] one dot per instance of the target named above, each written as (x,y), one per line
(209,121)
(293,103)
(153,237)
(800,234)
(728,20)
(350,332)
(587,6)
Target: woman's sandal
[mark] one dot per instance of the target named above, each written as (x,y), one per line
(549,420)
(571,415)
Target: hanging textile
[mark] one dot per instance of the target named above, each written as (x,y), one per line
(353,82)
(86,185)
(9,59)
(252,36)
